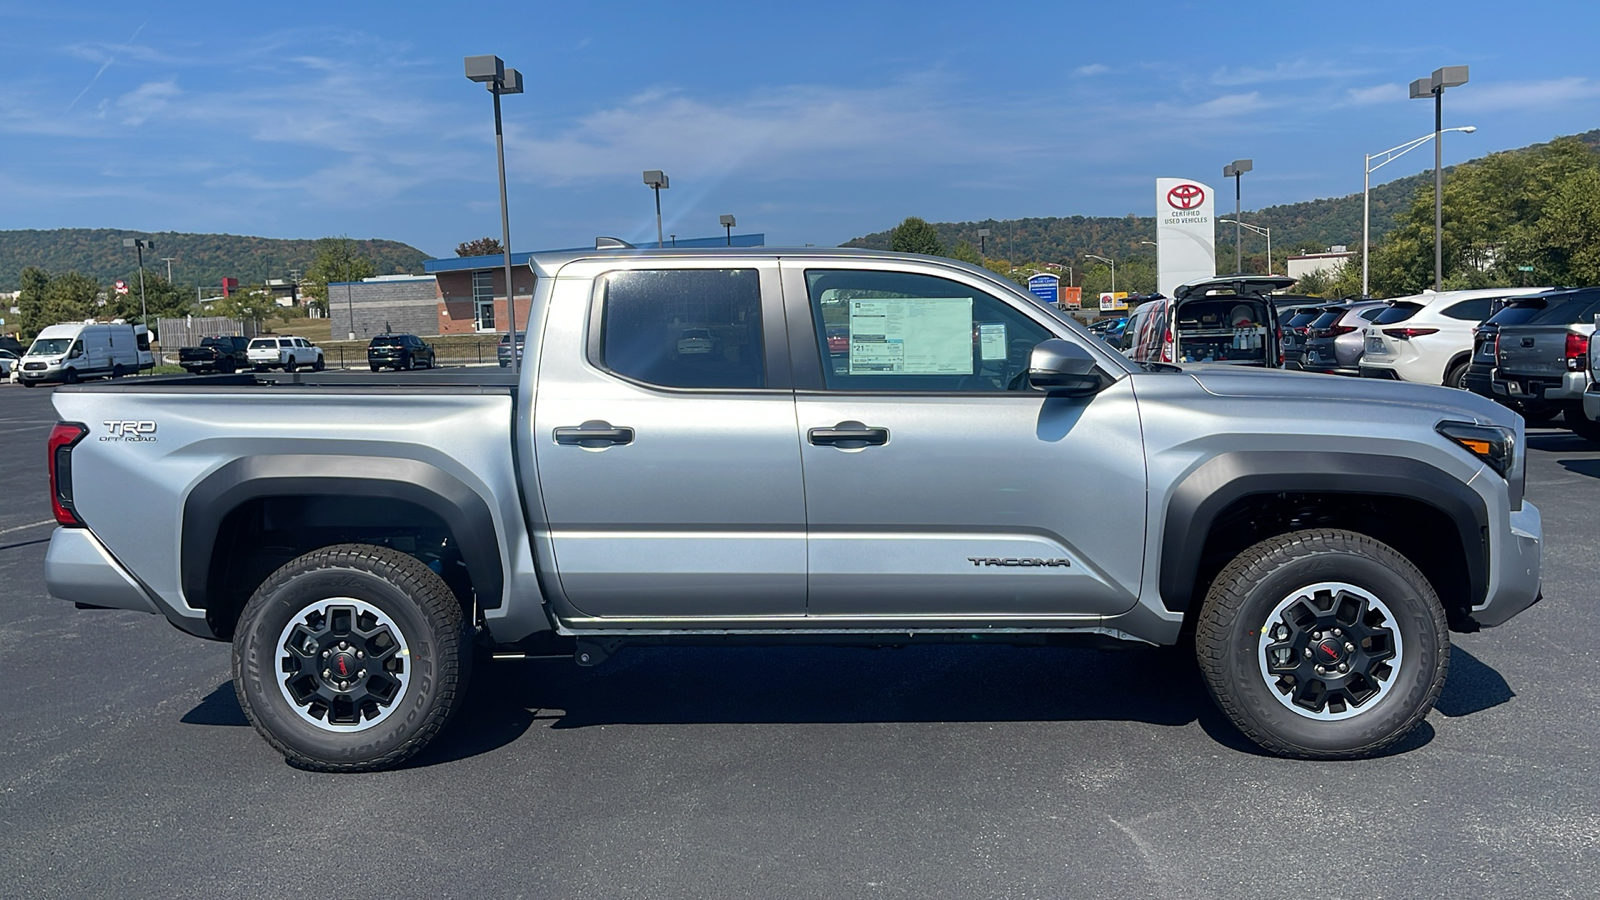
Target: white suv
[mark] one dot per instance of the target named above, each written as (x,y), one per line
(1427,338)
(285,351)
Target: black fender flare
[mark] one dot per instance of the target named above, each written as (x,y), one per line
(1206,491)
(461,508)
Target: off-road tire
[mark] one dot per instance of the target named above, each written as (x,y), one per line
(318,364)
(1240,602)
(411,598)
(375,368)
(1583,426)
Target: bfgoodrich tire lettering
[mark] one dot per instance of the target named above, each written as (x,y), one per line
(1248,597)
(418,625)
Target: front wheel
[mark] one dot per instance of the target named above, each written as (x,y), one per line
(318,364)
(1323,644)
(351,658)
(1583,426)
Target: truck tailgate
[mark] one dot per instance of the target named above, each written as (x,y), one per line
(1539,350)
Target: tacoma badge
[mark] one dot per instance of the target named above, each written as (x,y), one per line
(1024,561)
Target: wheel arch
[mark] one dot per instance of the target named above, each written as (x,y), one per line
(1214,508)
(1462,358)
(413,492)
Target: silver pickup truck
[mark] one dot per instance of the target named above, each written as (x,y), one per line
(867,448)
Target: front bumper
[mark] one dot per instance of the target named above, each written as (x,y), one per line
(1514,578)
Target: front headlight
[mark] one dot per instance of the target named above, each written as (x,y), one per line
(1495,445)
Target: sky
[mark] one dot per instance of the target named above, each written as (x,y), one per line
(811,123)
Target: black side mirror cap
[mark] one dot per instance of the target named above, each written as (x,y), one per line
(1064,369)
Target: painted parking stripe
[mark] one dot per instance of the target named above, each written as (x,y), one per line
(26,527)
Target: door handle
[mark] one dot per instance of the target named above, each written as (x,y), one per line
(849,436)
(593,434)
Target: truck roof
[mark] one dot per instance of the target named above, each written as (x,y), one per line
(547,264)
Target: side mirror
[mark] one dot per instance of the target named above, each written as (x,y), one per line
(1065,369)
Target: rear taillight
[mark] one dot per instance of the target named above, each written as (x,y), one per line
(1577,351)
(63,438)
(1406,334)
(1166,345)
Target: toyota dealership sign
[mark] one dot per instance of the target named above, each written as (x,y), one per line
(1186,240)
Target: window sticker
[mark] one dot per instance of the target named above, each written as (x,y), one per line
(911,336)
(992,341)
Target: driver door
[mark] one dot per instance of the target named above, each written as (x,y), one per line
(938,483)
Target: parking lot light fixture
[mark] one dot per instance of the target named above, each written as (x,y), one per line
(1261,230)
(728,223)
(491,72)
(658,182)
(140,245)
(1384,158)
(1236,170)
(1444,77)
(1110,262)
(983,243)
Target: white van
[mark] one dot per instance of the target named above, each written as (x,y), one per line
(70,353)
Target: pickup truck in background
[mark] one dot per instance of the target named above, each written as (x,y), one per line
(216,354)
(966,465)
(1542,364)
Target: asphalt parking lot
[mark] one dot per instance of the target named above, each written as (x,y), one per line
(128,769)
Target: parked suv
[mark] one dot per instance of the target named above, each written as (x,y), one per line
(1543,363)
(1223,320)
(502,351)
(228,353)
(1296,322)
(1427,338)
(399,351)
(1334,340)
(285,352)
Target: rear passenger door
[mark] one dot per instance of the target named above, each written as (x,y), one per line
(670,464)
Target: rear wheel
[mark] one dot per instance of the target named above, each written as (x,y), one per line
(1323,644)
(375,368)
(290,366)
(351,658)
(1583,426)
(1457,376)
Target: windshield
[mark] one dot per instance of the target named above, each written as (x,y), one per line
(1327,318)
(49,346)
(1303,318)
(1517,313)
(1576,310)
(264,344)
(387,340)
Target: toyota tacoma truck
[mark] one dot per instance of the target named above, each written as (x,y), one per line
(966,465)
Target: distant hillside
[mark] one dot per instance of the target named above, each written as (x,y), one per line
(198,259)
(1311,223)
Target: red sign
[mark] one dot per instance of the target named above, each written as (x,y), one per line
(122,287)
(1186,196)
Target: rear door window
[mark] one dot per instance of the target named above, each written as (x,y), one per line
(1474,310)
(645,314)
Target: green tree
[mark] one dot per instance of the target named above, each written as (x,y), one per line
(30,303)
(338,259)
(252,305)
(70,297)
(915,235)
(484,246)
(964,251)
(1568,235)
(162,299)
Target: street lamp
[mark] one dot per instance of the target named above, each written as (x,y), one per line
(1445,77)
(1110,262)
(140,245)
(657,180)
(1387,156)
(983,243)
(168,260)
(1261,230)
(492,73)
(1235,170)
(728,223)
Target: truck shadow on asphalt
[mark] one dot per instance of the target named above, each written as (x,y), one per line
(1589,467)
(1559,441)
(790,685)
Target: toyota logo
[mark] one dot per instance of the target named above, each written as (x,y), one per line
(1186,196)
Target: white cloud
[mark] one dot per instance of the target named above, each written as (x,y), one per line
(1298,70)
(1091,69)
(1522,95)
(1381,93)
(149,99)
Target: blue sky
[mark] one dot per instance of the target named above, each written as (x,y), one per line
(813,123)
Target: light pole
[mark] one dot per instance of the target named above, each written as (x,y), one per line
(168,260)
(1386,157)
(1110,262)
(1258,229)
(658,182)
(1236,170)
(983,243)
(1445,77)
(140,245)
(492,73)
(350,305)
(728,223)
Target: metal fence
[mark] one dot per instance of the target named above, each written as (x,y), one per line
(450,351)
(175,334)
